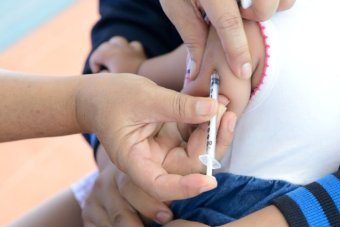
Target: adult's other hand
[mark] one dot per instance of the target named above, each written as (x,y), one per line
(226,17)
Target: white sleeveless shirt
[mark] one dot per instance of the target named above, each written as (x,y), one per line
(290,129)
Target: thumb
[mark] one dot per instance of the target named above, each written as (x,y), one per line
(94,65)
(175,106)
(96,61)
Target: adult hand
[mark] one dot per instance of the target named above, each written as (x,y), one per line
(181,152)
(226,17)
(113,184)
(127,114)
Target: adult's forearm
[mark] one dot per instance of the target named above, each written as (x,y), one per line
(37,106)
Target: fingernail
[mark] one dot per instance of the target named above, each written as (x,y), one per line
(246,71)
(204,108)
(223,100)
(163,217)
(221,110)
(232,124)
(210,186)
(246,3)
(188,65)
(192,68)
(187,72)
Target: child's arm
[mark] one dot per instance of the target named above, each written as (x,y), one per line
(268,216)
(167,70)
(119,56)
(61,210)
(236,90)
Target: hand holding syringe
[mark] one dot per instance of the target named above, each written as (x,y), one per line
(208,158)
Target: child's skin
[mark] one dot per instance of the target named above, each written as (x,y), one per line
(168,70)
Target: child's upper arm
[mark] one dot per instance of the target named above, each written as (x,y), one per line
(237,90)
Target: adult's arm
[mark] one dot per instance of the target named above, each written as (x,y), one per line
(127,123)
(34,106)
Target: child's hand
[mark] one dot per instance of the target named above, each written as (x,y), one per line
(118,56)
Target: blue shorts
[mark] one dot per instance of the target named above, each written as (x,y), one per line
(235,197)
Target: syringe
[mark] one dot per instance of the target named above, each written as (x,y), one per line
(208,158)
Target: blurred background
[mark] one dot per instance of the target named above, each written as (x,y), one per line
(48,38)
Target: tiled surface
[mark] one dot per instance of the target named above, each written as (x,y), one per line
(33,170)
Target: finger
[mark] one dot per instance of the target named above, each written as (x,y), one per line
(223,100)
(170,105)
(94,63)
(137,46)
(197,144)
(119,40)
(154,180)
(198,87)
(260,10)
(118,210)
(126,218)
(143,203)
(98,57)
(188,154)
(226,18)
(95,68)
(182,14)
(94,214)
(225,133)
(198,139)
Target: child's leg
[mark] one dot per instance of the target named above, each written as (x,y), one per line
(61,210)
